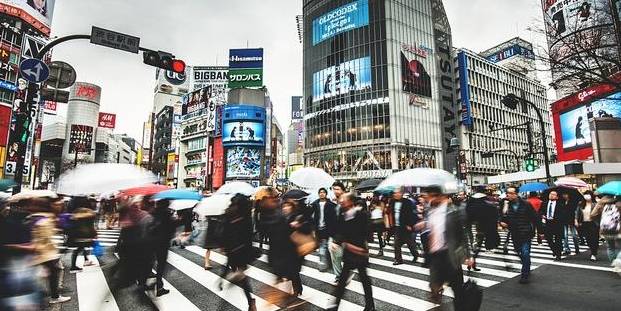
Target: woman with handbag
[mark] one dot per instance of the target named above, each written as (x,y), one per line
(376,209)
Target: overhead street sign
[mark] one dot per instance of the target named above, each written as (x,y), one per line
(31,46)
(34,70)
(115,40)
(62,75)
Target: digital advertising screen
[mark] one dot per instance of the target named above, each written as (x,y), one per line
(244,133)
(351,76)
(243,162)
(339,20)
(414,77)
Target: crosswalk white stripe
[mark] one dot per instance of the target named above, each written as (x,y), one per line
(233,294)
(93,291)
(310,294)
(556,263)
(411,303)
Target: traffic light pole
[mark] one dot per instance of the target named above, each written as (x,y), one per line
(542,126)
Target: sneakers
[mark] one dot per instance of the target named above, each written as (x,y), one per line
(397,262)
(162,292)
(593,258)
(75,270)
(59,299)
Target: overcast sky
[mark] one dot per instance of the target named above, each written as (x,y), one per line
(201,32)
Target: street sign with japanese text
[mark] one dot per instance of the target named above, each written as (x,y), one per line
(115,40)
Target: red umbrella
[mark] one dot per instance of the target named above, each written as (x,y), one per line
(149,189)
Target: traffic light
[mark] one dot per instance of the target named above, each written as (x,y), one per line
(510,101)
(163,60)
(530,165)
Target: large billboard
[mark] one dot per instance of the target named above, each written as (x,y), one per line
(107,120)
(243,133)
(509,52)
(215,76)
(296,108)
(82,137)
(199,104)
(217,178)
(351,76)
(414,77)
(37,13)
(339,20)
(243,162)
(245,68)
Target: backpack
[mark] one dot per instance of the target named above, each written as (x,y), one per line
(610,222)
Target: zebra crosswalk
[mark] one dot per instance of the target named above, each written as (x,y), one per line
(401,287)
(106,238)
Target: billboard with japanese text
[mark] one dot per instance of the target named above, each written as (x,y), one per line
(339,20)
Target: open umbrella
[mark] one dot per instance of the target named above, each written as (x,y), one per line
(533,186)
(574,195)
(368,184)
(100,178)
(612,188)
(571,182)
(213,205)
(178,194)
(149,189)
(422,177)
(177,205)
(6,184)
(295,194)
(32,194)
(236,187)
(310,178)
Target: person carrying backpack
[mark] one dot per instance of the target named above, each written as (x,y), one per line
(608,209)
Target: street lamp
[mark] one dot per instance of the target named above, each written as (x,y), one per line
(511,101)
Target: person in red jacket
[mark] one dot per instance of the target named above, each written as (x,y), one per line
(535,202)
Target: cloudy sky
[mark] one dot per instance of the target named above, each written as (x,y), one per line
(202,31)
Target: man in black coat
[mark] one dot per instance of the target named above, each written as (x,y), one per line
(484,216)
(324,220)
(404,220)
(521,219)
(553,212)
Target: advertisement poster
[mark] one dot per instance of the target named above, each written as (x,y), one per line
(82,136)
(245,58)
(342,19)
(215,76)
(243,162)
(574,123)
(243,132)
(296,108)
(239,78)
(37,13)
(414,77)
(107,120)
(200,103)
(217,178)
(351,76)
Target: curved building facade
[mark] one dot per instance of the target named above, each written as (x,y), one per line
(82,122)
(378,87)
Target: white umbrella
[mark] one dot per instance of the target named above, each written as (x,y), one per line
(571,182)
(32,194)
(422,177)
(177,205)
(310,178)
(236,187)
(103,178)
(213,205)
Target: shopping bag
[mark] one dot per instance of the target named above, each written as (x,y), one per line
(305,243)
(98,250)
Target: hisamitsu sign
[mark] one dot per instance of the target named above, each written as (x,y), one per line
(115,40)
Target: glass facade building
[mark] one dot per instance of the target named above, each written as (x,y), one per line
(378,87)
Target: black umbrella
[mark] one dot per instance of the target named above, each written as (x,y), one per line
(295,194)
(574,194)
(368,184)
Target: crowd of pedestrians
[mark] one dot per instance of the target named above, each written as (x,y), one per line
(453,229)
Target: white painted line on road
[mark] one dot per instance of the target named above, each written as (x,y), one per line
(92,288)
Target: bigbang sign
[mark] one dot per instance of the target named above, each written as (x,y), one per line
(354,75)
(345,18)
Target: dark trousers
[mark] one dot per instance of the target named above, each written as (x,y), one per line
(76,253)
(379,230)
(161,255)
(554,236)
(364,279)
(441,271)
(403,236)
(591,234)
(54,272)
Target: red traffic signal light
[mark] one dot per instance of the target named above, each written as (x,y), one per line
(163,60)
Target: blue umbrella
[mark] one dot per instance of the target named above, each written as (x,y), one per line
(612,187)
(533,186)
(178,194)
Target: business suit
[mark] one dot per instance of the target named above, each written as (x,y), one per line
(404,217)
(325,228)
(554,213)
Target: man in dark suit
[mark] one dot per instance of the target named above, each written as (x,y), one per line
(553,215)
(324,219)
(402,211)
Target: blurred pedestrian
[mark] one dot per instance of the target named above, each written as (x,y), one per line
(237,242)
(298,225)
(553,214)
(569,229)
(162,232)
(448,245)
(588,225)
(521,220)
(404,220)
(110,212)
(535,202)
(378,225)
(81,232)
(352,230)
(483,215)
(324,218)
(213,237)
(608,209)
(335,250)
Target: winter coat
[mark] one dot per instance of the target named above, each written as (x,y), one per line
(282,254)
(597,211)
(522,222)
(82,229)
(353,228)
(43,228)
(485,215)
(237,238)
(329,214)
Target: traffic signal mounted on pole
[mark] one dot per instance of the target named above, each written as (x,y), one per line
(530,165)
(163,60)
